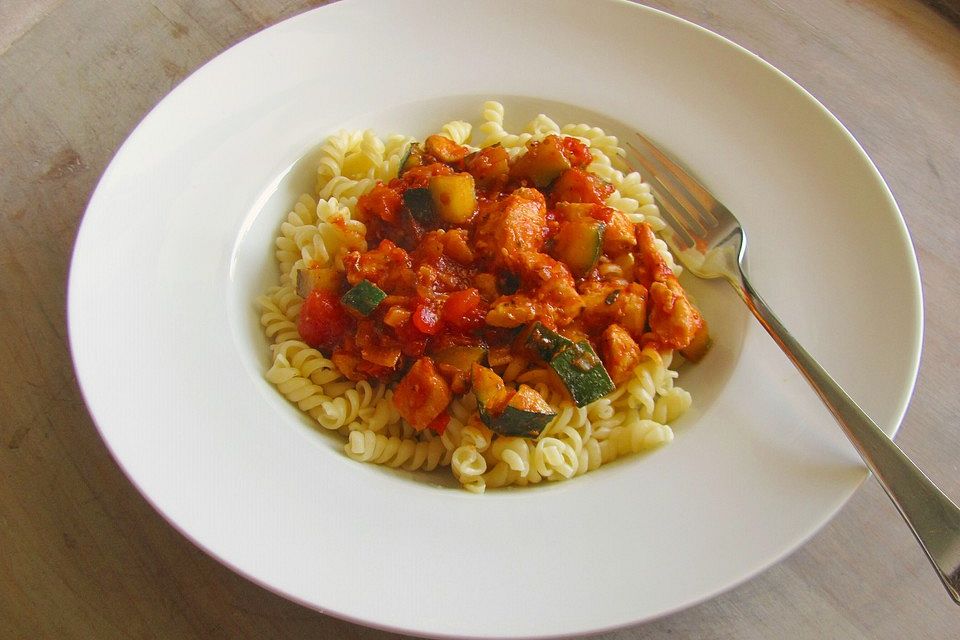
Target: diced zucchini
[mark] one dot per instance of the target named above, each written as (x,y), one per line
(576,210)
(422,394)
(364,297)
(545,342)
(514,413)
(542,163)
(525,415)
(420,205)
(578,244)
(486,383)
(462,358)
(582,372)
(454,197)
(411,157)
(318,278)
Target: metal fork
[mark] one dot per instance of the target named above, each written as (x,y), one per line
(709,241)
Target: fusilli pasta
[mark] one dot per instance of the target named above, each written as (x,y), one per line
(321,228)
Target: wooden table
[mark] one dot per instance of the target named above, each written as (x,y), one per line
(82,555)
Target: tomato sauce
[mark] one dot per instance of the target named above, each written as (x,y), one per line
(527,239)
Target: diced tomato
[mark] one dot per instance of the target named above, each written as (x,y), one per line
(464,310)
(382,202)
(412,342)
(426,320)
(323,322)
(576,152)
(439,424)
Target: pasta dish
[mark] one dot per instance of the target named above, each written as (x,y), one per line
(505,310)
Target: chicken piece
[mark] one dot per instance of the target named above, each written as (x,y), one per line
(577,185)
(650,264)
(633,299)
(547,293)
(489,167)
(550,282)
(512,311)
(429,249)
(388,266)
(422,394)
(536,269)
(620,353)
(444,149)
(515,224)
(456,244)
(606,304)
(618,234)
(486,284)
(674,321)
(699,345)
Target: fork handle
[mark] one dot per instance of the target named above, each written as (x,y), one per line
(931,515)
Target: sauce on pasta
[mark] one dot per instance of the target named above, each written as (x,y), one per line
(479,257)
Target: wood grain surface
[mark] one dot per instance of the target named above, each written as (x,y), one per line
(82,554)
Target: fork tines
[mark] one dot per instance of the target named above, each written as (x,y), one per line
(685,204)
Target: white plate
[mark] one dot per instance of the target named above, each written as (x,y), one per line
(176,244)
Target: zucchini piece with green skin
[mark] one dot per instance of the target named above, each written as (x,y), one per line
(488,387)
(419,203)
(578,244)
(463,358)
(582,372)
(545,342)
(363,297)
(454,197)
(411,157)
(523,412)
(542,163)
(318,278)
(525,415)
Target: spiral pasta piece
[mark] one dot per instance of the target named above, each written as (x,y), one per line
(295,387)
(404,453)
(554,456)
(276,324)
(308,361)
(468,466)
(496,134)
(333,152)
(634,436)
(395,148)
(542,126)
(457,130)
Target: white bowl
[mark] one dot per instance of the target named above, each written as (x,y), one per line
(176,244)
